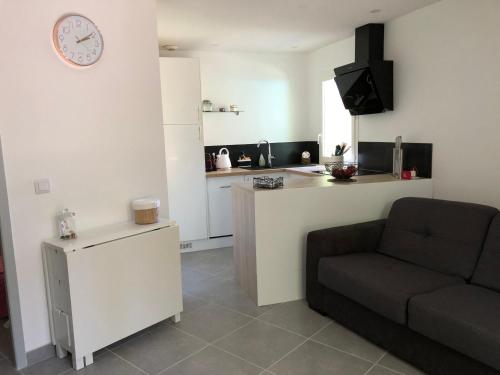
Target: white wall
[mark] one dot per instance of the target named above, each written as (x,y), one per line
(96,133)
(270,87)
(447,92)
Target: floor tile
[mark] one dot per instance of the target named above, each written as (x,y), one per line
(242,303)
(215,264)
(194,258)
(228,293)
(193,274)
(212,361)
(159,349)
(227,274)
(204,289)
(191,303)
(260,343)
(398,365)
(211,322)
(210,261)
(317,359)
(377,370)
(191,277)
(107,364)
(296,316)
(7,368)
(135,335)
(340,337)
(50,366)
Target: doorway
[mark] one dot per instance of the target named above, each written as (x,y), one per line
(11,328)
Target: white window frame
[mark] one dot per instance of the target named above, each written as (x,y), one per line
(354,131)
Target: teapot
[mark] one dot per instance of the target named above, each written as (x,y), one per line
(223,161)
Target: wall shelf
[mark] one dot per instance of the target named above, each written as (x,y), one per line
(235,112)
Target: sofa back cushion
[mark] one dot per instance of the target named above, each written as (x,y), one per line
(440,235)
(487,272)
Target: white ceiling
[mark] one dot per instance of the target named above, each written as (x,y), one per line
(270,25)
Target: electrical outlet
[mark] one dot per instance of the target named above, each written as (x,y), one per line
(42,186)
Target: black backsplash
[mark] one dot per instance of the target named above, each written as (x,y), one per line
(286,153)
(377,156)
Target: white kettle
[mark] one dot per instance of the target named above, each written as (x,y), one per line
(223,161)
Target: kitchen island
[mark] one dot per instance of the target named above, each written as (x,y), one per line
(271,226)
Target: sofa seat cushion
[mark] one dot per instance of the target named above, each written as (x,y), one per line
(465,318)
(440,235)
(380,283)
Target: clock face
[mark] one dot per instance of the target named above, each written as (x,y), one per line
(77,40)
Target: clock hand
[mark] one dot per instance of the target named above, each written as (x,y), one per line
(86,38)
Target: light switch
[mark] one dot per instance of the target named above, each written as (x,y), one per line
(42,186)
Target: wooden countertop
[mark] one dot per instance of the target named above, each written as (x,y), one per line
(243,172)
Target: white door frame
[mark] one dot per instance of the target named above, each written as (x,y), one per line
(16,324)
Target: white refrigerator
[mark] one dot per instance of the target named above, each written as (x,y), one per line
(184,148)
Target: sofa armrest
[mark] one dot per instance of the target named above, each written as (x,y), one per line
(362,237)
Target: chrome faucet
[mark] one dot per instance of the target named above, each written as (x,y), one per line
(269,155)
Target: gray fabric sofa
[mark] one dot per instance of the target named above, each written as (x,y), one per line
(424,283)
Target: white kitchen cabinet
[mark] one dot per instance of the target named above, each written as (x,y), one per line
(110,283)
(220,205)
(186,182)
(180,90)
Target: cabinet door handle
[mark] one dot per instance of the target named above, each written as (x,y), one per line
(225,187)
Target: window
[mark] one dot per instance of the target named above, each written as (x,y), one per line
(338,124)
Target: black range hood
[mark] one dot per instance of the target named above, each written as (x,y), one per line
(366,85)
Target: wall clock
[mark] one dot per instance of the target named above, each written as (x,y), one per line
(77,40)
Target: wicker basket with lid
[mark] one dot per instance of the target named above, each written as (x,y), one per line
(146,210)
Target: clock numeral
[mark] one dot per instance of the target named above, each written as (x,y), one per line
(88,57)
(78,23)
(61,37)
(66,29)
(97,44)
(94,51)
(72,55)
(65,48)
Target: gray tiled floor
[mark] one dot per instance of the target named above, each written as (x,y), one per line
(222,332)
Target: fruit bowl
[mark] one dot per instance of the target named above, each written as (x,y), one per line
(344,173)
